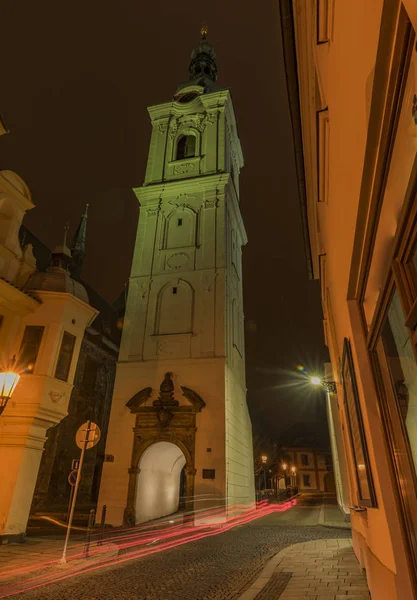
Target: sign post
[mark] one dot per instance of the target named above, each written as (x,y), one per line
(86,437)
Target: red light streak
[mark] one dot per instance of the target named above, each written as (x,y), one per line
(168,537)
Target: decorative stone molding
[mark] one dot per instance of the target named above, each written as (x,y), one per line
(164,416)
(164,422)
(183,168)
(177,261)
(206,119)
(210,203)
(57,397)
(196,400)
(152,211)
(209,281)
(162,127)
(143,289)
(173,128)
(165,348)
(139,398)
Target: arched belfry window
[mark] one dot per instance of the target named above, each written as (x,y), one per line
(186,146)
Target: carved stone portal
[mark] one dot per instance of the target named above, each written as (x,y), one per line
(166,420)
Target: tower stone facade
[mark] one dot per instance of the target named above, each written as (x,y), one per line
(186,441)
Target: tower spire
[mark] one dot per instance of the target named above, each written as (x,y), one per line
(61,255)
(203,59)
(78,246)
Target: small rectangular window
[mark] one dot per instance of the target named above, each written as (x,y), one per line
(304,459)
(174,290)
(29,347)
(209,473)
(1,320)
(179,222)
(65,356)
(306,480)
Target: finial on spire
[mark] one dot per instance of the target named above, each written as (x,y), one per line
(78,246)
(61,255)
(204,31)
(66,229)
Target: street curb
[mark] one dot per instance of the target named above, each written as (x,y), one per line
(265,575)
(332,524)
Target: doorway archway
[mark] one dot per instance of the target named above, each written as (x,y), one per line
(159,481)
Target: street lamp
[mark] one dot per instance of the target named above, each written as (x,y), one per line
(329,386)
(284,466)
(264,460)
(293,472)
(8,382)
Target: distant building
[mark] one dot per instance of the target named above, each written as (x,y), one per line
(313,469)
(351,70)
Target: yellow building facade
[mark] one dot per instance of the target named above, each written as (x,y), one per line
(43,317)
(352,88)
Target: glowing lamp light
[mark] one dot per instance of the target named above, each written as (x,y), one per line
(8,382)
(315,380)
(264,458)
(293,469)
(284,466)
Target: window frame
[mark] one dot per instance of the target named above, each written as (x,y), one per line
(185,136)
(41,329)
(61,354)
(347,363)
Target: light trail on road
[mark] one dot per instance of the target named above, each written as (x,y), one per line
(140,544)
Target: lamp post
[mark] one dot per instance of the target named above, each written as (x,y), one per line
(264,460)
(8,382)
(293,473)
(284,466)
(329,386)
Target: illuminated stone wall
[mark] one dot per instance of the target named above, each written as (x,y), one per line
(184,308)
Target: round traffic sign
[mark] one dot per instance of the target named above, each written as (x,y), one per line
(72,478)
(88,434)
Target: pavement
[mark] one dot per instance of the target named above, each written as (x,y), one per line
(319,570)
(216,565)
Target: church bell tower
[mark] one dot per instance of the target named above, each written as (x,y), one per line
(180,433)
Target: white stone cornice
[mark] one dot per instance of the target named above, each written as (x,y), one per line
(150,194)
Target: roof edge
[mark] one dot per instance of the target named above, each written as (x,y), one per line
(291,76)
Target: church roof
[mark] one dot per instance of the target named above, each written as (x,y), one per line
(203,68)
(107,319)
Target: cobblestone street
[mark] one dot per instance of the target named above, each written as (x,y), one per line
(214,568)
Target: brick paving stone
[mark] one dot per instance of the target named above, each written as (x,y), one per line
(320,586)
(213,568)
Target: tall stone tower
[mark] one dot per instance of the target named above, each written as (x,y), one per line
(180,432)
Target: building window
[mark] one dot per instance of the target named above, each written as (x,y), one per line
(304,460)
(29,348)
(209,474)
(179,222)
(90,373)
(306,481)
(174,290)
(364,481)
(1,321)
(186,147)
(65,356)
